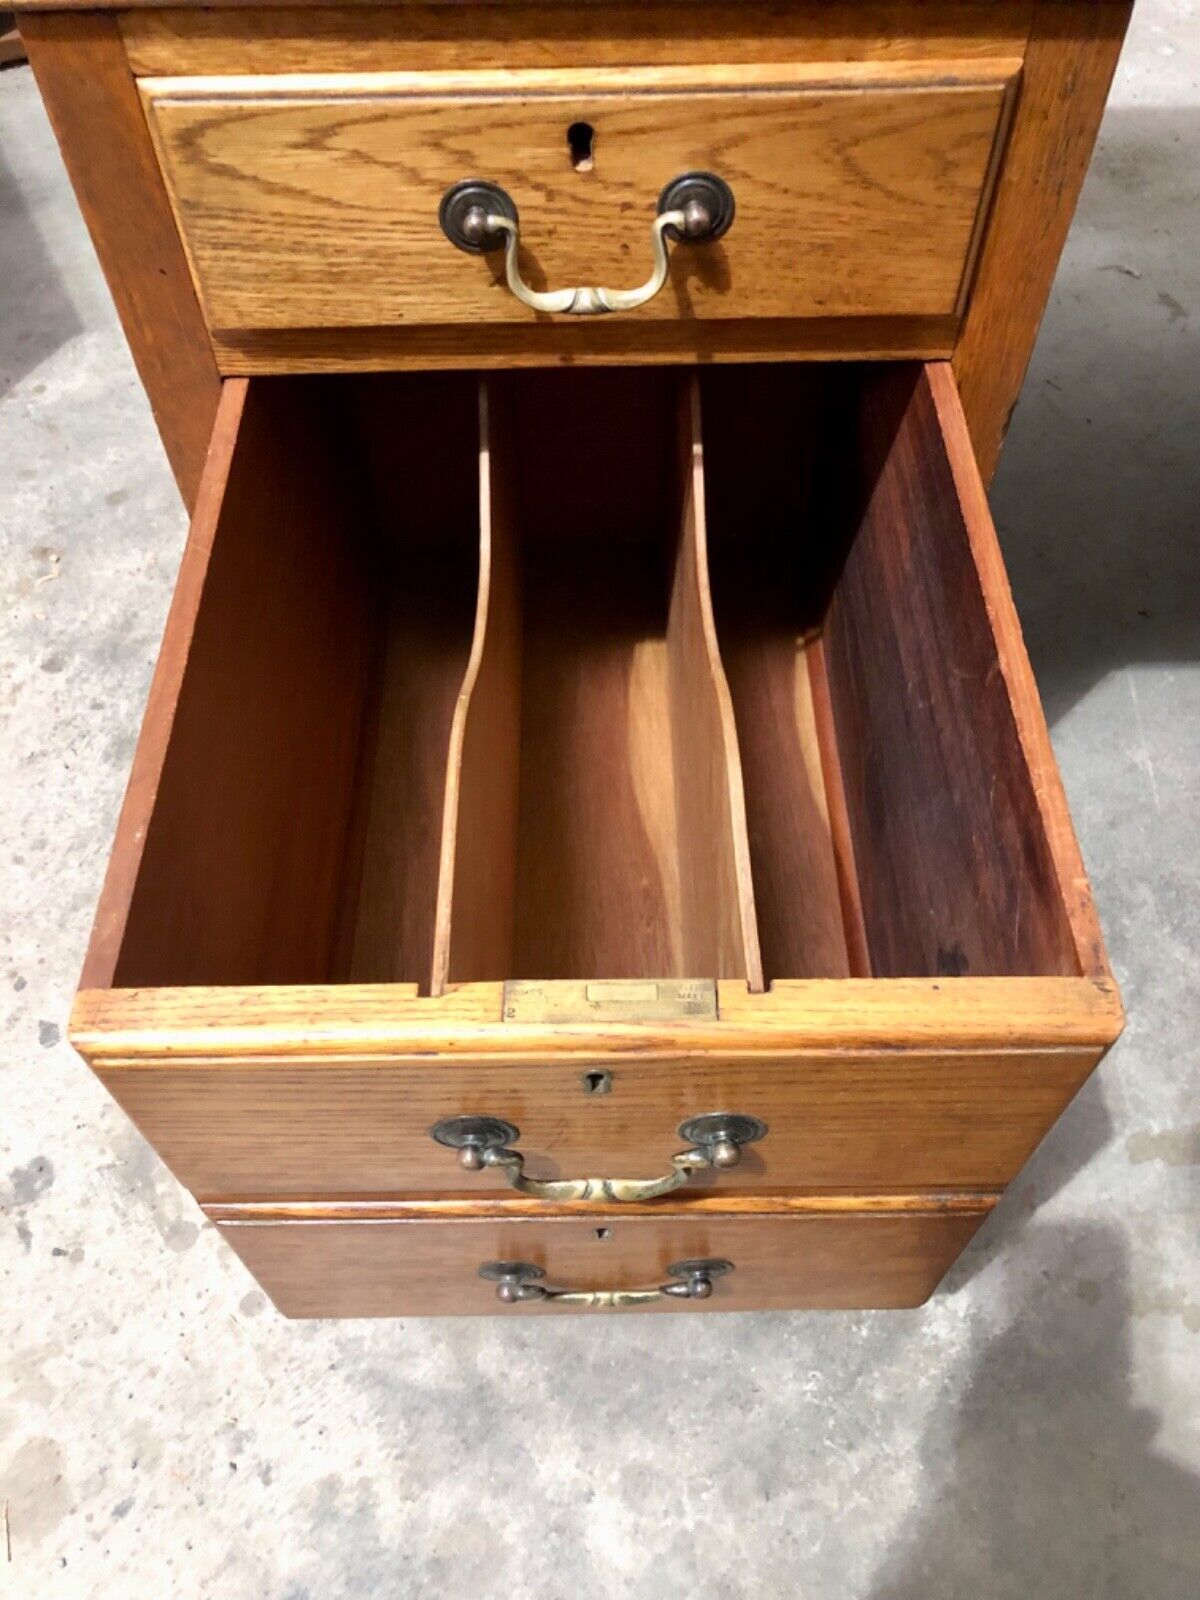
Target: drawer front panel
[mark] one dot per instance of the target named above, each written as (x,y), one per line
(869,1120)
(396,1268)
(311,202)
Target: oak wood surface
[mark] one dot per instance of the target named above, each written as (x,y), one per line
(572,341)
(313,201)
(159,1026)
(412,1268)
(297,1127)
(514,1207)
(267,38)
(841,838)
(137,810)
(1068,61)
(92,101)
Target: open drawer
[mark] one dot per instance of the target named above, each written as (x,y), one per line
(590,752)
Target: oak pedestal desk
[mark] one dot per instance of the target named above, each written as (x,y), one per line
(594,839)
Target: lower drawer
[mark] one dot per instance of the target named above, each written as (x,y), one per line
(362,1261)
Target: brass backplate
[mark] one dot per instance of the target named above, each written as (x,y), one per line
(610,1000)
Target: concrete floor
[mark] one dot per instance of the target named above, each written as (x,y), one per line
(1033,1431)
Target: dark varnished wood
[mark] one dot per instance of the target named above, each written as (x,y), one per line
(334,1266)
(628,855)
(253,37)
(955,866)
(1067,50)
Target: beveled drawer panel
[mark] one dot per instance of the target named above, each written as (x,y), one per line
(323,1261)
(311,202)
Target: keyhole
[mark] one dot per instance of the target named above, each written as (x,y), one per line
(597,1082)
(580,138)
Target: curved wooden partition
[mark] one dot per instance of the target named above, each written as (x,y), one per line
(594,824)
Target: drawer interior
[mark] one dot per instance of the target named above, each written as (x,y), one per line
(612,851)
(584,673)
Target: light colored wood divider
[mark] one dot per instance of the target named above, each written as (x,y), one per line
(720,928)
(477,868)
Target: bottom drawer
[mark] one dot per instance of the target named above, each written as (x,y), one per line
(425,1259)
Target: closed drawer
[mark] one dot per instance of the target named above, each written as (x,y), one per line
(330,1263)
(310,202)
(574,679)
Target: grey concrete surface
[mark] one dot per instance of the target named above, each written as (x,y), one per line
(1033,1431)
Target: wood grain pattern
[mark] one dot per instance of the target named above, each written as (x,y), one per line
(956,869)
(501,1207)
(719,920)
(425,37)
(413,1268)
(598,891)
(1069,64)
(626,857)
(295,1091)
(856,1117)
(156,1027)
(230,852)
(602,341)
(312,201)
(477,877)
(137,809)
(92,101)
(1013,661)
(413,458)
(767,433)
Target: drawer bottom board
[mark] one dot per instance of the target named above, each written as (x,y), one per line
(348,1261)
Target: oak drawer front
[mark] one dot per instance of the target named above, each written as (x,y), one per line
(891,1255)
(283,1128)
(439,706)
(313,202)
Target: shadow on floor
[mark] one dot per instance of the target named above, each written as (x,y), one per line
(1098,493)
(1045,1479)
(37,316)
(1079,1135)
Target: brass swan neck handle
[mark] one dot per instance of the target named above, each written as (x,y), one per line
(479,217)
(713,1140)
(519,1281)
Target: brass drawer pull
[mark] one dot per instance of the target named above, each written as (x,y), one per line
(478,217)
(517,1281)
(714,1140)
